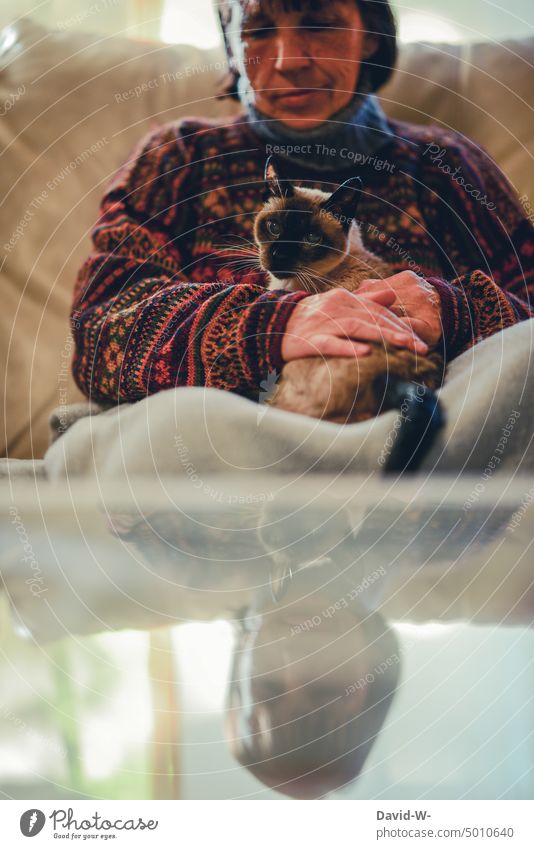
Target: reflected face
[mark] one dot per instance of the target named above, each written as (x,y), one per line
(302,66)
(305,706)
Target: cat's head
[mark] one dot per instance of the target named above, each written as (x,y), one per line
(304,232)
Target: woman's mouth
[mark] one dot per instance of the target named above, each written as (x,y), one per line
(298,96)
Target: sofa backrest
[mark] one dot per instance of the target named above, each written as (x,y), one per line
(73,106)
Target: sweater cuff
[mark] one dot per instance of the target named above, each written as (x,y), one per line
(456,318)
(263,332)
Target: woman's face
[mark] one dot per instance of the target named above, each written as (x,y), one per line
(300,64)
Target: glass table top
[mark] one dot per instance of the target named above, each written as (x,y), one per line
(355,637)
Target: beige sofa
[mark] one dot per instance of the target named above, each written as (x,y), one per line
(74,105)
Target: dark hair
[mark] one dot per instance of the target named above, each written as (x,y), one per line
(313,738)
(377,16)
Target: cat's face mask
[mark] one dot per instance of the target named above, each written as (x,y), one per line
(289,60)
(300,232)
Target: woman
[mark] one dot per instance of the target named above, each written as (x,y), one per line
(170,296)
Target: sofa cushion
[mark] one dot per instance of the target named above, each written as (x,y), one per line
(484,91)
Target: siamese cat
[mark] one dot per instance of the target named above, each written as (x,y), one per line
(309,240)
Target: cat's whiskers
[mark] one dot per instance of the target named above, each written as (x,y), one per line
(242,257)
(309,281)
(242,264)
(244,238)
(313,275)
(227,245)
(235,249)
(236,260)
(302,277)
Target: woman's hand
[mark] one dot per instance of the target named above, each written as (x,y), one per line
(416,301)
(338,323)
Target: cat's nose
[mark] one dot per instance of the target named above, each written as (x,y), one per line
(282,259)
(281,252)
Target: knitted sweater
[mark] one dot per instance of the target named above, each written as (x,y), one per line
(171,295)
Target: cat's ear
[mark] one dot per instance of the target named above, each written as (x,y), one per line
(278,185)
(343,203)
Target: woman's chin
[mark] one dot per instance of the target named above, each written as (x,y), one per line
(299,121)
(295,115)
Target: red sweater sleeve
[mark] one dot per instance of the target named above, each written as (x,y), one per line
(138,324)
(480,205)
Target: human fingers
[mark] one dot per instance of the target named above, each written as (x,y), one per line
(375,307)
(381,329)
(429,333)
(382,296)
(335,346)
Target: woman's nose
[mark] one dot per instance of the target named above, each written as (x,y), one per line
(290,54)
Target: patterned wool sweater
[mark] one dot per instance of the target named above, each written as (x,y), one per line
(170,296)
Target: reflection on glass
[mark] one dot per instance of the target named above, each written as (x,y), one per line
(312,680)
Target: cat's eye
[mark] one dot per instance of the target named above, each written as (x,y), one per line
(273,227)
(314,238)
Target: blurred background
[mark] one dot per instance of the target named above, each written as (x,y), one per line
(180,21)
